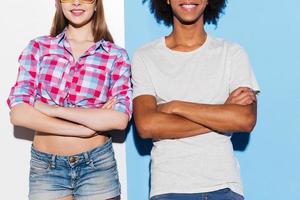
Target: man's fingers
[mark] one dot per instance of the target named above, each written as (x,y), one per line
(240,90)
(243,95)
(245,100)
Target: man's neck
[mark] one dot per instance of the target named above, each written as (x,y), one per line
(186,37)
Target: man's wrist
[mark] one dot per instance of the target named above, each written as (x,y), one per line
(175,107)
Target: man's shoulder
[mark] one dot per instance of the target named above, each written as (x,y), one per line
(217,42)
(149,47)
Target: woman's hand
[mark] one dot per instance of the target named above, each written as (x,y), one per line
(45,108)
(110,104)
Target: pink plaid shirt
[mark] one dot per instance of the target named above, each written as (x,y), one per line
(49,73)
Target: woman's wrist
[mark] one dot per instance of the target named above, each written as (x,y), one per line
(57,111)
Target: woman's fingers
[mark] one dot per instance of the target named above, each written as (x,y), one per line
(109,104)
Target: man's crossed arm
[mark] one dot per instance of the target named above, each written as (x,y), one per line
(179,119)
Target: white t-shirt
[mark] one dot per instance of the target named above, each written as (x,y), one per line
(207,75)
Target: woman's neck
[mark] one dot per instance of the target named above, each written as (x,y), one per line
(83,33)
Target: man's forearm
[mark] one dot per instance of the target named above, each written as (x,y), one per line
(222,118)
(158,125)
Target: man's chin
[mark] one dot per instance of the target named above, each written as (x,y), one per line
(189,21)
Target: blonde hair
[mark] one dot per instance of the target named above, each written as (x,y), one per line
(99,26)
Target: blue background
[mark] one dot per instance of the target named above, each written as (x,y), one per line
(270,32)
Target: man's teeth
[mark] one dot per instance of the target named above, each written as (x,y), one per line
(189,6)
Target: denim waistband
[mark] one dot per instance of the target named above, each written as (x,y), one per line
(83,156)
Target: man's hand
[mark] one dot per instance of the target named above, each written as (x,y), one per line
(167,107)
(241,96)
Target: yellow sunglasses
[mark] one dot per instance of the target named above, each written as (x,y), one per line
(80,1)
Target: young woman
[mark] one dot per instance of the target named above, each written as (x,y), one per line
(72,87)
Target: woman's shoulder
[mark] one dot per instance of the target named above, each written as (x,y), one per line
(43,43)
(42,38)
(45,40)
(113,48)
(40,43)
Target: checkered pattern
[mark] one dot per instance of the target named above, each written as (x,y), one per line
(49,73)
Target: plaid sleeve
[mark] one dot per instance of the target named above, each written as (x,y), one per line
(120,84)
(24,89)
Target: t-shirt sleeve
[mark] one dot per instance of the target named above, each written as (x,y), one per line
(141,80)
(241,72)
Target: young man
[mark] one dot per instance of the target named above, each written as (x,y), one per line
(191,91)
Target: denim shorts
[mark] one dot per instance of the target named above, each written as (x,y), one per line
(90,175)
(223,194)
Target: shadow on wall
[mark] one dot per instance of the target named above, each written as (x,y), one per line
(23,133)
(143,146)
(118,136)
(240,141)
(28,134)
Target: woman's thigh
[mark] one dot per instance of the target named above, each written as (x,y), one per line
(99,178)
(87,176)
(46,182)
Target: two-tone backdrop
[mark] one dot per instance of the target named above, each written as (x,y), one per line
(268,30)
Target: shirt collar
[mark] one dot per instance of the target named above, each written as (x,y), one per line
(61,38)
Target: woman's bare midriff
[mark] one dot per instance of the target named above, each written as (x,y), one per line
(61,145)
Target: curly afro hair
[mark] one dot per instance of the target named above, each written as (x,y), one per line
(163,12)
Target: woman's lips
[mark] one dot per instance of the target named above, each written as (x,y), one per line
(77,12)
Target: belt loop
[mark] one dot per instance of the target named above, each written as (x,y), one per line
(53,159)
(87,158)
